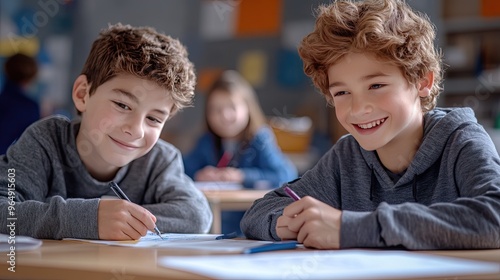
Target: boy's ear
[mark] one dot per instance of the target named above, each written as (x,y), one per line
(425,85)
(81,93)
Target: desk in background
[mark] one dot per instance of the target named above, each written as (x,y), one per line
(230,200)
(75,260)
(303,161)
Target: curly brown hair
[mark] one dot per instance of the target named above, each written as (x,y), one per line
(145,53)
(389,29)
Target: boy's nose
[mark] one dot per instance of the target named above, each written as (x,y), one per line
(360,106)
(134,128)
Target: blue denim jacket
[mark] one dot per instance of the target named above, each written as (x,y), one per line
(260,160)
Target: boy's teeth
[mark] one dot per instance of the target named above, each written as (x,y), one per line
(372,124)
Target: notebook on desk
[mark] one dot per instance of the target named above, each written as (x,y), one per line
(207,242)
(214,186)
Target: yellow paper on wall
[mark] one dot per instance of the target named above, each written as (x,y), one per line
(252,65)
(16,44)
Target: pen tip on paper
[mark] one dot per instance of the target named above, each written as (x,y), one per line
(158,232)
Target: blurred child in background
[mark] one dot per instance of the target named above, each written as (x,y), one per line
(17,110)
(238,147)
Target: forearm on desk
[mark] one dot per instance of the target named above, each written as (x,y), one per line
(55,219)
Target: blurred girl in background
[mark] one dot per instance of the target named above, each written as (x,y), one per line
(238,146)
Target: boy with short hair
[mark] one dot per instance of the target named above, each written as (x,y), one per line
(408,175)
(55,175)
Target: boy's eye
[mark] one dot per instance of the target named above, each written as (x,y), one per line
(339,93)
(121,105)
(376,86)
(153,119)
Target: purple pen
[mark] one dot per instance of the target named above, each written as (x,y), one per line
(292,194)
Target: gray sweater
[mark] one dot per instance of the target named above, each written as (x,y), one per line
(448,198)
(55,197)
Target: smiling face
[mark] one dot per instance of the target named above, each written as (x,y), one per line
(121,121)
(375,103)
(227,114)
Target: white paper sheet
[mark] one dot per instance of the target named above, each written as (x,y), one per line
(339,264)
(215,186)
(218,19)
(184,241)
(20,243)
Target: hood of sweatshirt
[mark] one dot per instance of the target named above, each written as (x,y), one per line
(439,125)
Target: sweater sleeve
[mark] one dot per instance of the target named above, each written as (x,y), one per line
(34,206)
(470,221)
(259,222)
(180,206)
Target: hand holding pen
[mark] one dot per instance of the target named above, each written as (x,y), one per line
(122,219)
(116,189)
(310,221)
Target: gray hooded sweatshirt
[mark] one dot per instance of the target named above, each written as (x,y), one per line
(448,197)
(53,195)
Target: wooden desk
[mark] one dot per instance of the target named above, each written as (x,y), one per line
(76,260)
(221,200)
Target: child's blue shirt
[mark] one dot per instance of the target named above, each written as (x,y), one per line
(260,159)
(17,112)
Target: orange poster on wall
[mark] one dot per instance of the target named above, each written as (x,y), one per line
(490,8)
(206,77)
(259,17)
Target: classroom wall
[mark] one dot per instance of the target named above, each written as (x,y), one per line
(183,20)
(65,29)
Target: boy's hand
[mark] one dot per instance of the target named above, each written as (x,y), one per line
(312,223)
(119,219)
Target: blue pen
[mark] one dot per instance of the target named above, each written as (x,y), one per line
(284,245)
(227,236)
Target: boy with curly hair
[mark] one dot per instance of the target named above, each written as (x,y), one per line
(55,175)
(407,174)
